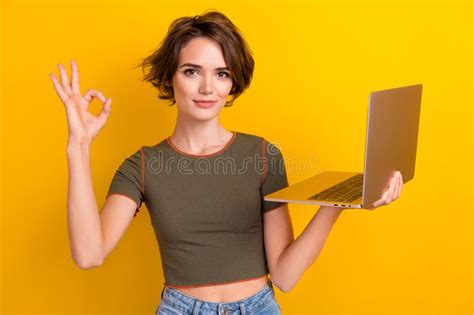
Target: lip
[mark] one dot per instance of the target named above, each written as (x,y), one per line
(204,103)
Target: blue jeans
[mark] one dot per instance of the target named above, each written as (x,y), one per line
(174,302)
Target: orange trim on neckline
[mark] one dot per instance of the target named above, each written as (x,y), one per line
(203,155)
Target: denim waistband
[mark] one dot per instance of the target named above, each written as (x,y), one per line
(188,304)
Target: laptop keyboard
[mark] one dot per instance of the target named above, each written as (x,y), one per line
(346,191)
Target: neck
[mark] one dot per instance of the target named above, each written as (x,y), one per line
(195,136)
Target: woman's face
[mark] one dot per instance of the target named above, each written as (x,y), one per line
(202,74)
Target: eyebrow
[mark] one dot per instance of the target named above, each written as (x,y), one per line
(200,67)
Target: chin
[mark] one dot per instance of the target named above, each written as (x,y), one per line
(205,116)
(202,114)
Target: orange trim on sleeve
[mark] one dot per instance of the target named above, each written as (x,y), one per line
(280,204)
(124,196)
(136,211)
(264,157)
(142,172)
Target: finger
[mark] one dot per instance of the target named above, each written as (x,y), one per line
(387,195)
(64,79)
(378,203)
(397,185)
(59,90)
(106,108)
(75,78)
(382,200)
(91,93)
(393,188)
(401,184)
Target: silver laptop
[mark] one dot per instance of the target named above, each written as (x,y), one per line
(391,140)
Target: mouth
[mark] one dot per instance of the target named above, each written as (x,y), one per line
(205,103)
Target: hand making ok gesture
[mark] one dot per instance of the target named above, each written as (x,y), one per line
(83,127)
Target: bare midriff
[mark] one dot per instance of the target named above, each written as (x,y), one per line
(224,293)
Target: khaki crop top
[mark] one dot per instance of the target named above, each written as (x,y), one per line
(206,210)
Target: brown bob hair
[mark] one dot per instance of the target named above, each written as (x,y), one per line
(214,25)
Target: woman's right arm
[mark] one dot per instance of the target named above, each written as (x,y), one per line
(92,235)
(84,226)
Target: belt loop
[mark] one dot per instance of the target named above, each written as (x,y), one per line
(197,305)
(164,287)
(242,308)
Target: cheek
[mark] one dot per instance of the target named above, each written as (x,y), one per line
(184,87)
(225,87)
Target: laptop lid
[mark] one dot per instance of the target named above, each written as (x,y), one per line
(391,138)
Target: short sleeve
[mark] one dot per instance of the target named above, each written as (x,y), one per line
(128,180)
(274,175)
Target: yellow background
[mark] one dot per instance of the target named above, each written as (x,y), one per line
(316,62)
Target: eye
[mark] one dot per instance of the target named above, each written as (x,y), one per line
(188,70)
(226,75)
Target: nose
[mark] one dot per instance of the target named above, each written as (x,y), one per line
(206,85)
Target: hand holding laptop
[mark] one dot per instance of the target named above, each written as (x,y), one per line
(392,192)
(390,151)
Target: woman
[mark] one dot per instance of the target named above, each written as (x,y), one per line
(203,185)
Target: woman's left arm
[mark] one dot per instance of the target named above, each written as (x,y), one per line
(287,258)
